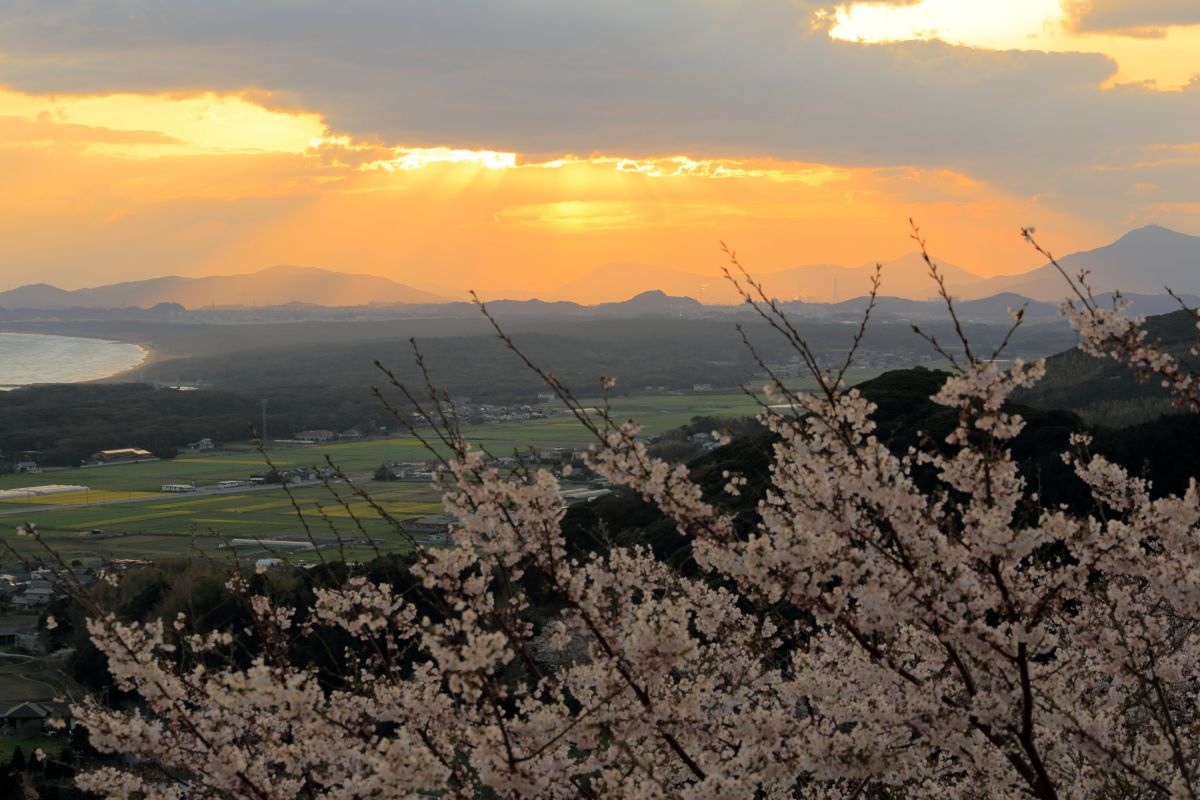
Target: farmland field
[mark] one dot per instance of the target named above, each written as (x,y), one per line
(124,514)
(181,525)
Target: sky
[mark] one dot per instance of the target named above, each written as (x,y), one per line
(513,146)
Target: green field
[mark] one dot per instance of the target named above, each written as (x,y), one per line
(52,747)
(144,522)
(182,525)
(656,413)
(31,680)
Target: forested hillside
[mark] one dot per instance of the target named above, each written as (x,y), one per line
(1104,392)
(63,424)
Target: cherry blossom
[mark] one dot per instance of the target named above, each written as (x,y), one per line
(895,624)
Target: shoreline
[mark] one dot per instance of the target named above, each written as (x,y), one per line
(148,354)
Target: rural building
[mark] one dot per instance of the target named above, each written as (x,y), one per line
(126,564)
(294,476)
(203,444)
(404,471)
(555,455)
(34,491)
(125,455)
(436,527)
(25,718)
(35,596)
(28,467)
(572,496)
(702,387)
(312,437)
(18,631)
(34,590)
(30,641)
(274,544)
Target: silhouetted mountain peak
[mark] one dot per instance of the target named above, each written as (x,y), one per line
(1144,260)
(277,285)
(657,297)
(1152,232)
(294,269)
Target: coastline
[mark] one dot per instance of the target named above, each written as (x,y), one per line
(150,355)
(146,354)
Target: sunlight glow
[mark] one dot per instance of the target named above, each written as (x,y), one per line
(208,183)
(205,122)
(680,166)
(420,157)
(993,25)
(1166,61)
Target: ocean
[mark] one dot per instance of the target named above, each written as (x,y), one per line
(27,358)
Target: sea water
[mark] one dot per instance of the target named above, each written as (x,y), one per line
(27,358)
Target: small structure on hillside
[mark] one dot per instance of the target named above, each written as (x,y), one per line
(202,444)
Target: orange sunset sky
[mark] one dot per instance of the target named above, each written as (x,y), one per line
(512,147)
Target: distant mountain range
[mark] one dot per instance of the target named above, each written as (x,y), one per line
(905,277)
(273,286)
(1143,261)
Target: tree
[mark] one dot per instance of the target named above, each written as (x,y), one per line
(915,624)
(12,783)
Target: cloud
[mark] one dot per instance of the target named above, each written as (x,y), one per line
(717,81)
(701,77)
(1132,17)
(21,129)
(75,215)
